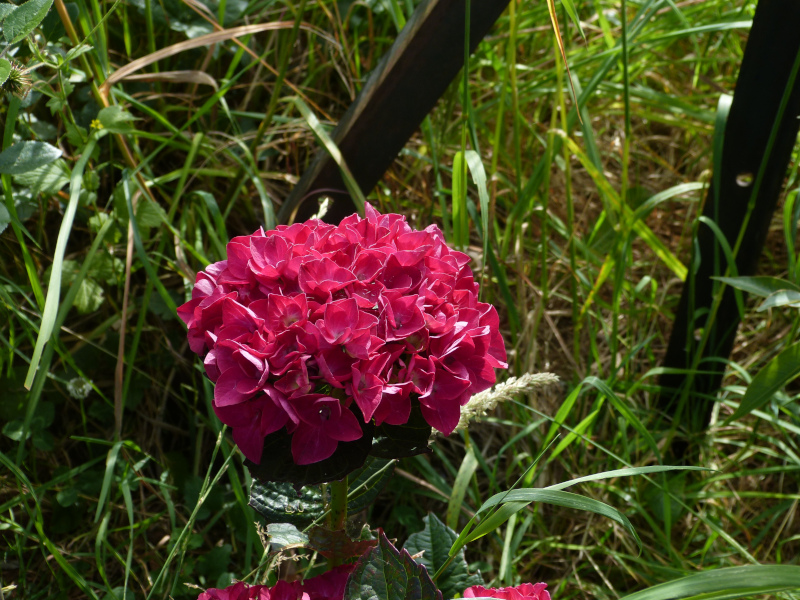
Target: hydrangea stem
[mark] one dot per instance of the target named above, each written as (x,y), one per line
(338,504)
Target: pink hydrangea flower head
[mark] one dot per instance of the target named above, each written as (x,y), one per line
(324,332)
(526,591)
(238,591)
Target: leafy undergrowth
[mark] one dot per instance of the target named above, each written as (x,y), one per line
(104,458)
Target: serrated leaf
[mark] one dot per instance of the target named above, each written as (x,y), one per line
(106,268)
(5,68)
(25,19)
(435,541)
(149,214)
(76,135)
(281,503)
(57,104)
(46,180)
(385,573)
(26,156)
(286,535)
(52,28)
(90,296)
(6,9)
(116,120)
(337,544)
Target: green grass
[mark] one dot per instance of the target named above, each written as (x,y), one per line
(588,223)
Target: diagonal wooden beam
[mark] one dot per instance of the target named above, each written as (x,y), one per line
(399,93)
(768,66)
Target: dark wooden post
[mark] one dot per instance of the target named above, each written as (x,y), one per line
(400,92)
(768,67)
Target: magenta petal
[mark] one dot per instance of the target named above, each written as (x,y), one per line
(273,418)
(345,428)
(233,387)
(367,392)
(250,442)
(311,445)
(442,416)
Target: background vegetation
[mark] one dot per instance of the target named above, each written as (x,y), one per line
(106,456)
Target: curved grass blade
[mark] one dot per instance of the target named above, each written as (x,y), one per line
(772,377)
(733,582)
(323,138)
(54,287)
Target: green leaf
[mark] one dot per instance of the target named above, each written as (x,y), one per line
(337,544)
(106,268)
(15,430)
(89,297)
(26,156)
(76,135)
(277,463)
(515,500)
(323,138)
(772,377)
(573,15)
(6,9)
(77,51)
(5,218)
(464,476)
(435,540)
(281,503)
(116,120)
(627,472)
(286,535)
(5,66)
(366,483)
(67,496)
(781,298)
(52,28)
(384,573)
(459,200)
(733,582)
(46,180)
(25,19)
(149,214)
(760,286)
(479,177)
(401,441)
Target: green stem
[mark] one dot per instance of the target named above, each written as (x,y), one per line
(338,505)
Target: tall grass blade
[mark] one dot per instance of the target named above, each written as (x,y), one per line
(54,286)
(323,138)
(777,373)
(733,582)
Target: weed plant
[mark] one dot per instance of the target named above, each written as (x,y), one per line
(104,488)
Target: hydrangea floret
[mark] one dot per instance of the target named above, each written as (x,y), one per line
(319,329)
(526,591)
(328,586)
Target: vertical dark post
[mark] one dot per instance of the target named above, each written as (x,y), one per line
(400,92)
(768,67)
